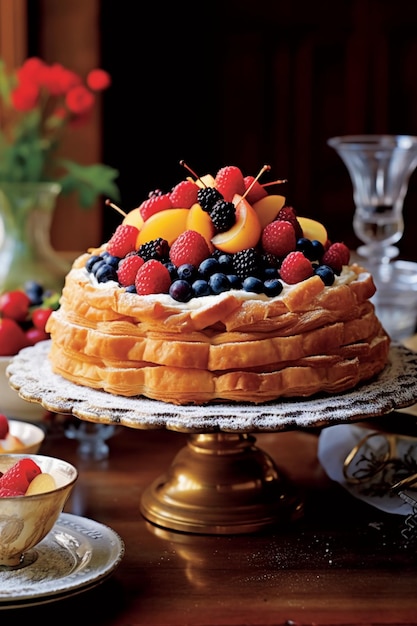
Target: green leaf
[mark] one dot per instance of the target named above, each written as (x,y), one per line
(89,182)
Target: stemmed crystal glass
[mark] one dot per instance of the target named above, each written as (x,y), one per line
(380,167)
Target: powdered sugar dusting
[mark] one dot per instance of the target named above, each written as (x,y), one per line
(396,387)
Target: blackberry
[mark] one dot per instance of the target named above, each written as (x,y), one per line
(156,249)
(247,263)
(207,198)
(223,215)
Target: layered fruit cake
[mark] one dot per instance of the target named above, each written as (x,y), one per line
(217,291)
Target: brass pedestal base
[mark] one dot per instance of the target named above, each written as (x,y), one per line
(220,483)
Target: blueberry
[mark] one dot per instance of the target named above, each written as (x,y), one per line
(34,292)
(208,267)
(187,272)
(270,272)
(318,249)
(105,273)
(172,269)
(326,274)
(305,246)
(219,282)
(226,263)
(130,289)
(91,261)
(235,281)
(201,288)
(253,284)
(272,287)
(181,291)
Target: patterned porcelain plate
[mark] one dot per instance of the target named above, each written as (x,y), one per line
(76,555)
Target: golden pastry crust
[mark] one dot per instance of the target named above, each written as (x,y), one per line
(229,347)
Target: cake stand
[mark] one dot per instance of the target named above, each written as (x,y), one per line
(220,482)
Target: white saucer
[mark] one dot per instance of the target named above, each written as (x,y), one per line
(76,555)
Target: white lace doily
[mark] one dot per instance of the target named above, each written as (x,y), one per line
(395,388)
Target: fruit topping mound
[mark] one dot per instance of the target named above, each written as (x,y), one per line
(213,234)
(23,316)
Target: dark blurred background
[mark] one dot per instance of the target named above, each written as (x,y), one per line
(243,83)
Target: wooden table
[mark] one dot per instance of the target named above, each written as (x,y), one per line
(344,562)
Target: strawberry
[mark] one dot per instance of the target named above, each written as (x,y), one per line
(123,240)
(295,268)
(190,247)
(5,492)
(12,337)
(278,238)
(128,268)
(20,475)
(184,195)
(336,256)
(256,192)
(229,181)
(15,305)
(155,203)
(4,426)
(152,277)
(288,214)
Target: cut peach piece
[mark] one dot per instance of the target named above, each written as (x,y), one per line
(245,232)
(200,221)
(204,181)
(40,484)
(134,218)
(168,224)
(313,229)
(268,208)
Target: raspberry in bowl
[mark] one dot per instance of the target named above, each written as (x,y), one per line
(33,493)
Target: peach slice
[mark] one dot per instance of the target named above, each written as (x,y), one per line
(134,218)
(200,221)
(40,484)
(268,208)
(204,181)
(245,232)
(168,224)
(313,229)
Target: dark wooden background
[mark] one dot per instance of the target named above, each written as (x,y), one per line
(247,83)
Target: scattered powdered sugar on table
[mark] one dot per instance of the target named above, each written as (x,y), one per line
(396,387)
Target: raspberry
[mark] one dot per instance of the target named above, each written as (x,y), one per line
(257,191)
(152,277)
(229,180)
(128,268)
(4,426)
(336,256)
(295,268)
(155,203)
(184,195)
(190,247)
(123,240)
(20,475)
(278,238)
(288,214)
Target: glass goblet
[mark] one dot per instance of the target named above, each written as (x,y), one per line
(380,167)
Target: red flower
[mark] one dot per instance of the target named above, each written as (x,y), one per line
(79,100)
(98,80)
(58,80)
(25,97)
